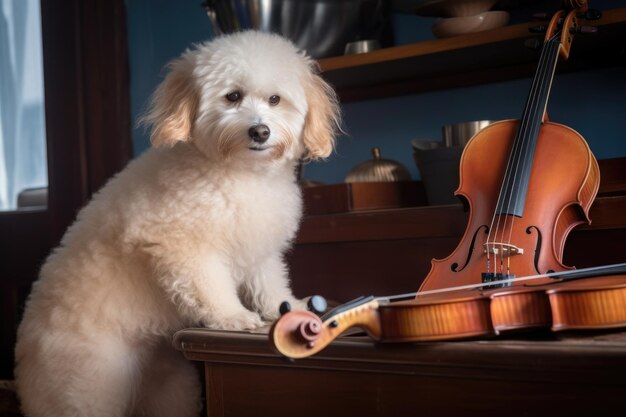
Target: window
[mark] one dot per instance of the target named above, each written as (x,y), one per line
(23,163)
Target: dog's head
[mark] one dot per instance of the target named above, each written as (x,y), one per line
(247,96)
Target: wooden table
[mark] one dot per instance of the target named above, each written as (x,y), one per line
(581,375)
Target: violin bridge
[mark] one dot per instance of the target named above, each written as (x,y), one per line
(503,249)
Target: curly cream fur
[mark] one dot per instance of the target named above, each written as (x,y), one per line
(191,233)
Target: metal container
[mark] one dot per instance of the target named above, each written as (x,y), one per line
(458,134)
(378,170)
(321,27)
(439,170)
(438,161)
(361,47)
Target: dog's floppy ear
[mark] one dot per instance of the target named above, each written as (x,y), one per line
(322,120)
(173,106)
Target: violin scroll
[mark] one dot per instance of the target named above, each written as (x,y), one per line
(305,326)
(298,334)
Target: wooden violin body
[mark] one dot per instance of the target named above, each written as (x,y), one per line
(563,182)
(527,183)
(591,303)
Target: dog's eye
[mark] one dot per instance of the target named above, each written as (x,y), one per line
(233,96)
(274,100)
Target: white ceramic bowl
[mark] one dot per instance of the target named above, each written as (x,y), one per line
(453,26)
(454,8)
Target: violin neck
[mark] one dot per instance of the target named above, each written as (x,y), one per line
(348,306)
(515,184)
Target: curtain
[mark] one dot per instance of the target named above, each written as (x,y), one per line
(23,162)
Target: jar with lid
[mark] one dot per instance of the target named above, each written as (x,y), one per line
(378,169)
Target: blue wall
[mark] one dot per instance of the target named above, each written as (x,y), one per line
(158,31)
(593,102)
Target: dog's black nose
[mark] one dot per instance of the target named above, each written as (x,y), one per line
(259,133)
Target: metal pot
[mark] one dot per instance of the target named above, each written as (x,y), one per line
(321,27)
(378,170)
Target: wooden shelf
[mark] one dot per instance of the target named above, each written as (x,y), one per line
(534,374)
(472,59)
(607,212)
(428,222)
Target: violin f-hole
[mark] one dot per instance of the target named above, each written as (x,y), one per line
(470,251)
(529,230)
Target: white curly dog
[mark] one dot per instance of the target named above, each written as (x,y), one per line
(191,233)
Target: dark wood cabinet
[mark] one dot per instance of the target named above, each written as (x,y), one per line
(549,376)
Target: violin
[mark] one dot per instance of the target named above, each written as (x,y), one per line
(527,184)
(469,311)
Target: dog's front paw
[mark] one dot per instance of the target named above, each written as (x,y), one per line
(246,320)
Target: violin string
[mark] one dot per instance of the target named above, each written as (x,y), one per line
(507,180)
(505,190)
(536,118)
(531,129)
(522,147)
(615,269)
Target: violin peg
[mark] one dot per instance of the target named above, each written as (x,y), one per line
(317,304)
(310,331)
(284,308)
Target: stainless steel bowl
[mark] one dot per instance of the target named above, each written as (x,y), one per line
(361,47)
(321,27)
(458,134)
